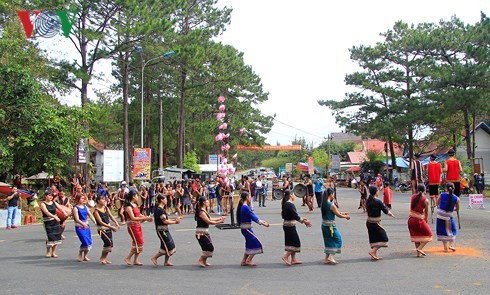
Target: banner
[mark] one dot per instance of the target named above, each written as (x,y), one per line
(311,166)
(475,199)
(335,162)
(142,163)
(289,167)
(82,151)
(113,168)
(296,147)
(213,159)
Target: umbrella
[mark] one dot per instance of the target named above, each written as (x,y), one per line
(353,169)
(40,176)
(6,189)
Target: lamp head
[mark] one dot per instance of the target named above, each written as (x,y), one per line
(166,54)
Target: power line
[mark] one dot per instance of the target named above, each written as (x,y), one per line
(321,137)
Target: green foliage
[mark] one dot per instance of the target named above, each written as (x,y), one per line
(191,162)
(374,162)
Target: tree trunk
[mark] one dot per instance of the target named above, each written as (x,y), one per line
(125,84)
(467,133)
(392,154)
(181,137)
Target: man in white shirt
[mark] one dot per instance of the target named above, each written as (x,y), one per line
(259,184)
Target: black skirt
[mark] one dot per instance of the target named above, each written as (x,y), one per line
(53,232)
(291,239)
(167,245)
(377,235)
(106,236)
(206,244)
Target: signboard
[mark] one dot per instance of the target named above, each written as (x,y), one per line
(289,167)
(311,166)
(213,159)
(476,199)
(141,163)
(113,166)
(335,162)
(82,151)
(295,147)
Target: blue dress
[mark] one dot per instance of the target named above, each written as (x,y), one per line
(252,244)
(331,236)
(445,225)
(83,234)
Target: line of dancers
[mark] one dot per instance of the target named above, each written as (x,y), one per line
(419,229)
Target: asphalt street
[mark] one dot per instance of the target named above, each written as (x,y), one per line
(24,270)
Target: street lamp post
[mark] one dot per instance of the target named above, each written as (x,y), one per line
(143,65)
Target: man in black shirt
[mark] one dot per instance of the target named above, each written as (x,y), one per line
(12,207)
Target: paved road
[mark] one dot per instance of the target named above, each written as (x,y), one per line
(23,269)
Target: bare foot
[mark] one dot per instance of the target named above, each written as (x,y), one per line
(103,262)
(296,262)
(373,255)
(207,263)
(86,259)
(201,263)
(285,261)
(154,261)
(251,264)
(79,259)
(108,262)
(54,255)
(243,263)
(137,263)
(48,255)
(452,248)
(128,262)
(168,264)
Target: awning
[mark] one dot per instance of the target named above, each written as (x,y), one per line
(353,169)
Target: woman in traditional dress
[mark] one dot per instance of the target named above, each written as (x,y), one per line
(202,235)
(292,244)
(133,218)
(51,225)
(66,207)
(331,236)
(178,196)
(167,245)
(144,198)
(245,216)
(81,214)
(447,202)
(187,198)
(103,216)
(363,192)
(377,235)
(420,232)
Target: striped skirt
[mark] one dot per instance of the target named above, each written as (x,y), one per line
(291,237)
(331,237)
(377,234)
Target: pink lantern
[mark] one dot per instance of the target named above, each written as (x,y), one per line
(226,135)
(222,108)
(220,116)
(234,156)
(243,130)
(223,126)
(219,137)
(221,99)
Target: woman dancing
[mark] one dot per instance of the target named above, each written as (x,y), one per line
(331,236)
(420,232)
(103,216)
(133,218)
(51,225)
(81,214)
(202,235)
(377,235)
(292,244)
(363,192)
(447,202)
(245,216)
(167,245)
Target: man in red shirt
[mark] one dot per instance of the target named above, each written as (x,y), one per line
(453,171)
(434,172)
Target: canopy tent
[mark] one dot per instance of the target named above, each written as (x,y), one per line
(404,163)
(400,163)
(40,176)
(353,169)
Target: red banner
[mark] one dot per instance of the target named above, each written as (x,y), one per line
(296,147)
(311,166)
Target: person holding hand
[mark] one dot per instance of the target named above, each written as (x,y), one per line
(292,243)
(162,221)
(103,216)
(203,220)
(133,218)
(331,236)
(245,216)
(51,225)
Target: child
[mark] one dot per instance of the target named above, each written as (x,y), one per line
(387,195)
